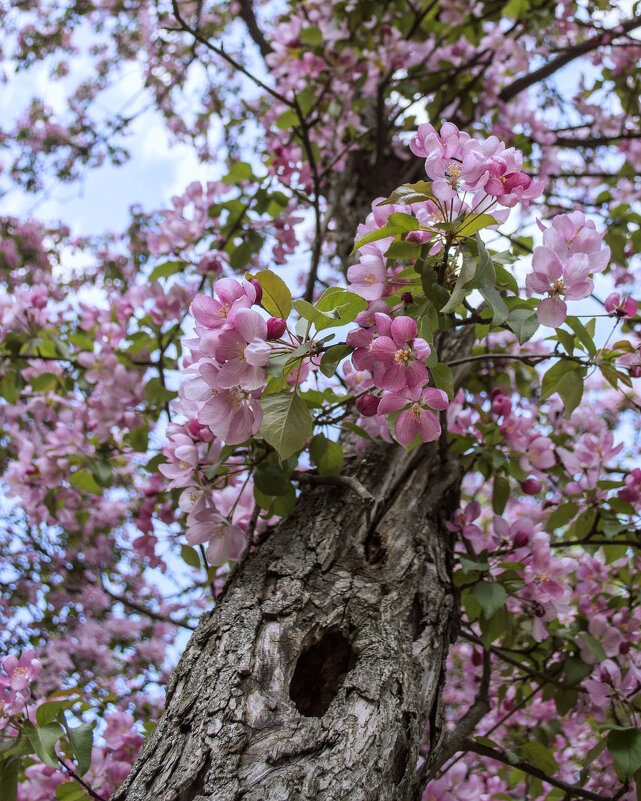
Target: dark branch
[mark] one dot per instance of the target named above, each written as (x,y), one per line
(249,18)
(573,52)
(571,789)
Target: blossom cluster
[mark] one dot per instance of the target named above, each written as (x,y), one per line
(15,681)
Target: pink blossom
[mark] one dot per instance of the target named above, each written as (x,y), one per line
(404,352)
(213,312)
(549,275)
(617,308)
(419,417)
(244,351)
(226,540)
(368,277)
(183,460)
(20,672)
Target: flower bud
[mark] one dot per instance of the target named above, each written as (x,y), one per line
(501,405)
(367,405)
(407,298)
(259,290)
(211,262)
(531,486)
(194,427)
(521,539)
(276,327)
(477,658)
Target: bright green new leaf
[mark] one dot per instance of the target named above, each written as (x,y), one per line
(287,422)
(83,480)
(541,757)
(409,193)
(474,223)
(277,298)
(71,791)
(164,270)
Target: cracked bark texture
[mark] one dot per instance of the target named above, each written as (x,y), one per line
(316,675)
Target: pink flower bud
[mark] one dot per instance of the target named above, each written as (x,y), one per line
(521,539)
(407,298)
(211,262)
(501,405)
(531,486)
(367,405)
(477,658)
(624,647)
(259,290)
(276,327)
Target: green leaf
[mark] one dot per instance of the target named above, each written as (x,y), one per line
(485,282)
(524,323)
(43,740)
(500,494)
(163,270)
(313,315)
(332,357)
(190,556)
(625,748)
(8,387)
(281,505)
(311,36)
(342,300)
(287,422)
(287,120)
(326,454)
(154,391)
(139,438)
(409,193)
(239,171)
(552,377)
(473,223)
(9,772)
(83,480)
(491,596)
(271,480)
(397,223)
(48,711)
(575,670)
(582,334)
(561,515)
(43,382)
(81,739)
(442,377)
(465,276)
(403,250)
(541,757)
(494,628)
(570,388)
(70,791)
(277,298)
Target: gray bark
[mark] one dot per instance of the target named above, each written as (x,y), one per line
(316,675)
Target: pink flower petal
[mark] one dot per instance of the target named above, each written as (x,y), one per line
(552,311)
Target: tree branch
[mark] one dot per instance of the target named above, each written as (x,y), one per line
(249,18)
(571,789)
(231,61)
(573,52)
(147,612)
(339,481)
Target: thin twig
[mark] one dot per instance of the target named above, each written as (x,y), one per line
(147,612)
(81,781)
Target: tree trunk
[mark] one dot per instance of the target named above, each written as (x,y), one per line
(316,675)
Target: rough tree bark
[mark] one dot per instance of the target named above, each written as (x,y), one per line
(316,675)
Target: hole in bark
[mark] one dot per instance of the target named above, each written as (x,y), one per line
(320,673)
(374,548)
(416,617)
